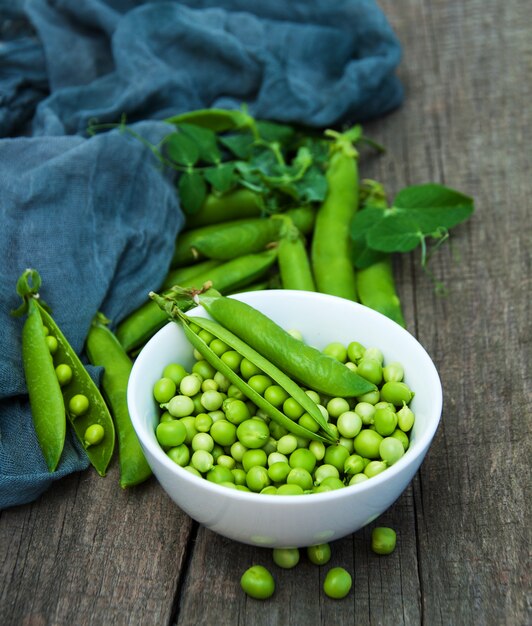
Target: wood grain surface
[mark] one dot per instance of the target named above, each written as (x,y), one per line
(88,553)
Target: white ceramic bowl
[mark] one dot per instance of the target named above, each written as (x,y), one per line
(288,521)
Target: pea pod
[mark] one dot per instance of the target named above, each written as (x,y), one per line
(263,364)
(218,120)
(143,323)
(330,250)
(269,369)
(179,275)
(46,399)
(99,455)
(294,266)
(304,363)
(233,205)
(104,349)
(235,238)
(376,289)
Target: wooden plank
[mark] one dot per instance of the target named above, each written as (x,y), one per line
(88,552)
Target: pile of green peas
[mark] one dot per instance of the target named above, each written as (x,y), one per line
(207,425)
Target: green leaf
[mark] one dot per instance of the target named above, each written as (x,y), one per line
(272,131)
(192,191)
(430,195)
(205,140)
(240,145)
(395,232)
(312,187)
(181,149)
(222,177)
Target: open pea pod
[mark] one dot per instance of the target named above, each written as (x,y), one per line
(101,453)
(248,391)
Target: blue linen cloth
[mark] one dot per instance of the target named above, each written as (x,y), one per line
(96,216)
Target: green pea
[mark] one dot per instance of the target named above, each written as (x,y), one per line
(370,369)
(52,343)
(319,554)
(203,369)
(289,490)
(202,460)
(94,435)
(318,449)
(258,583)
(313,395)
(253,433)
(332,482)
(308,422)
(336,350)
(193,470)
(287,558)
(232,359)
(202,441)
(372,397)
(179,455)
(337,583)
(287,444)
(237,451)
(222,382)
(257,478)
(393,372)
(189,424)
(270,490)
(302,457)
(211,400)
(175,372)
(205,335)
(78,405)
(218,347)
(383,540)
(336,455)
(337,406)
(64,374)
(349,424)
(385,421)
(260,382)
(355,351)
(402,437)
(236,411)
(220,474)
(358,478)
(224,433)
(367,444)
(234,392)
(209,384)
(292,409)
(275,395)
(279,471)
(301,477)
(374,467)
(398,393)
(405,418)
(203,422)
(324,471)
(391,450)
(180,406)
(171,434)
(239,476)
(253,458)
(248,369)
(354,464)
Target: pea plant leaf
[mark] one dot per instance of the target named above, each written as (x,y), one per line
(205,141)
(181,149)
(192,191)
(222,177)
(418,212)
(240,145)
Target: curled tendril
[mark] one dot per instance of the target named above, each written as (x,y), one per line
(28,286)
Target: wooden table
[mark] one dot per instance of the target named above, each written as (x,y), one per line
(88,553)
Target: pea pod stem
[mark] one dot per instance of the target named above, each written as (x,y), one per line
(104,349)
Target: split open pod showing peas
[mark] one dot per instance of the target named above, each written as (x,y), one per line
(291,520)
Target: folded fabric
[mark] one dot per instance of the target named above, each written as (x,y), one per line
(96,216)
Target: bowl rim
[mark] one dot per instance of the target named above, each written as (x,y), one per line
(421,445)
